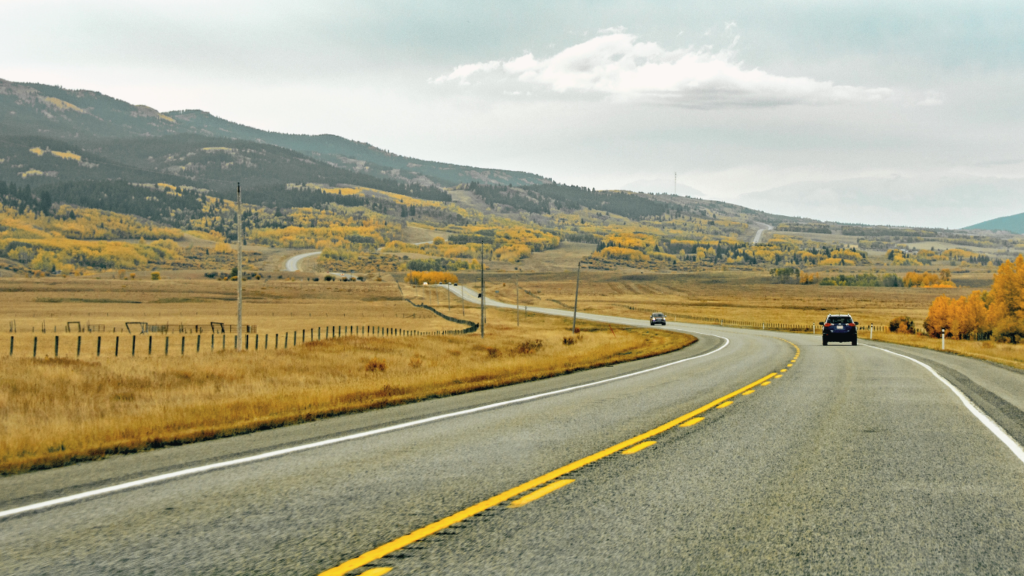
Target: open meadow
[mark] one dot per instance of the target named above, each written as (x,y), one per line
(40,309)
(56,411)
(733,296)
(749,299)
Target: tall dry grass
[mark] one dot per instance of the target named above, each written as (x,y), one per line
(40,309)
(999,352)
(57,411)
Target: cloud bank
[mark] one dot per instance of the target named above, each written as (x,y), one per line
(616,64)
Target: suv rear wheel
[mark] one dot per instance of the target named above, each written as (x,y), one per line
(824,341)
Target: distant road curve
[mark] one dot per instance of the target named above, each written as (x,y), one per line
(292,265)
(762,228)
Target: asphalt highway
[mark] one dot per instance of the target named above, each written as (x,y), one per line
(292,265)
(749,452)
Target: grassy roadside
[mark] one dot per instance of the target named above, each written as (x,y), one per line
(57,411)
(1011,355)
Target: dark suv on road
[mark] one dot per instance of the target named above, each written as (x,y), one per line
(658,318)
(838,328)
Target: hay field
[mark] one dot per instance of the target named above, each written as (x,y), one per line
(57,411)
(273,306)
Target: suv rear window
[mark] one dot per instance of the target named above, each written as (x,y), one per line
(840,320)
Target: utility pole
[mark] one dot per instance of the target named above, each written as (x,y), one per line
(483,307)
(238,339)
(483,314)
(517,298)
(577,300)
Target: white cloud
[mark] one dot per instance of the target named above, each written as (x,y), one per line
(466,70)
(617,65)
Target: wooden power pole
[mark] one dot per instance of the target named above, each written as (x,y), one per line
(238,337)
(577,300)
(483,295)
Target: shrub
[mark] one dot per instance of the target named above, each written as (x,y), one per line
(376,365)
(528,347)
(901,325)
(787,275)
(155,275)
(1009,329)
(568,340)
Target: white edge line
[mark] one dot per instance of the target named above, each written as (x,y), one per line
(303,447)
(985,419)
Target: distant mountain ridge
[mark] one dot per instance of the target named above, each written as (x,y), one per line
(1013,224)
(61,141)
(82,117)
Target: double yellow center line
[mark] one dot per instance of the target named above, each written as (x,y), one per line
(634,444)
(399,543)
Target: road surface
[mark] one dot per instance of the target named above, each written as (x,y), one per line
(292,265)
(761,228)
(808,459)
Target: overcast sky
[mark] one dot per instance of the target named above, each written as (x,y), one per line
(792,98)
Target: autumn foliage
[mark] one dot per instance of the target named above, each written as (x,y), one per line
(999,312)
(417,277)
(928,280)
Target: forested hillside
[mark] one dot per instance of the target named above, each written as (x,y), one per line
(81,116)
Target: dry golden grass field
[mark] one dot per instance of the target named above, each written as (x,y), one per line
(748,298)
(55,411)
(273,306)
(733,296)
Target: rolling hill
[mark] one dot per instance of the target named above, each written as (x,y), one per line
(1013,224)
(82,117)
(83,147)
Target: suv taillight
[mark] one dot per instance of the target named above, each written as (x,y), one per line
(828,324)
(850,325)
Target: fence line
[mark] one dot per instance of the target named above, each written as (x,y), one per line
(144,341)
